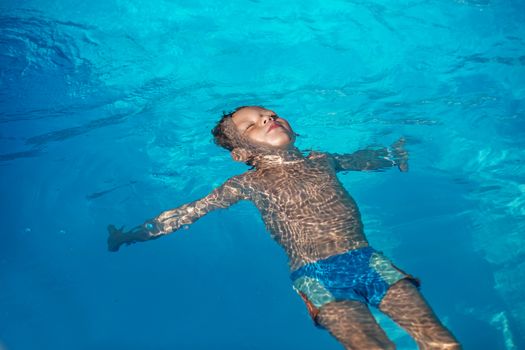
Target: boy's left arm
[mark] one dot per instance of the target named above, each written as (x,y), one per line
(369,159)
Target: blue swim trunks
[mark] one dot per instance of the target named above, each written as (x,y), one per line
(362,274)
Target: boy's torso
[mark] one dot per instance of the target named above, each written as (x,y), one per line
(306,209)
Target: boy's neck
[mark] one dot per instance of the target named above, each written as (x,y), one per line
(278,157)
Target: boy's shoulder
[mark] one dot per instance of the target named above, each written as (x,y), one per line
(317,154)
(241,177)
(323,157)
(244,179)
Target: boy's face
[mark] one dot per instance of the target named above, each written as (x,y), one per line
(262,126)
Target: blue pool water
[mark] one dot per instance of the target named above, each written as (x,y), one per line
(105,116)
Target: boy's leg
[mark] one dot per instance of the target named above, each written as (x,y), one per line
(406,306)
(353,325)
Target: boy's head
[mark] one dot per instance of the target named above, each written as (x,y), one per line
(252,130)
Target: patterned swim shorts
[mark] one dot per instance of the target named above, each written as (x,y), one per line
(362,274)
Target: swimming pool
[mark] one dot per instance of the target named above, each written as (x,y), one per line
(106,109)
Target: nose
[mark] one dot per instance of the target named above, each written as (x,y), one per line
(267,118)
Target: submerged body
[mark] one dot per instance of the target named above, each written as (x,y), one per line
(311,215)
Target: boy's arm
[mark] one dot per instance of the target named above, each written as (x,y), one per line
(169,221)
(369,159)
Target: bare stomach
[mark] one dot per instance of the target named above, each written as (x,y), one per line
(311,247)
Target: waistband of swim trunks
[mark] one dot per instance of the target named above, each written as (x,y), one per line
(297,273)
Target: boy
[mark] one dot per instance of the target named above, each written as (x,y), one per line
(309,213)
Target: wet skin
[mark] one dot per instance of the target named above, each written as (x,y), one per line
(311,215)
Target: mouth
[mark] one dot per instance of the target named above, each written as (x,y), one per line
(273,126)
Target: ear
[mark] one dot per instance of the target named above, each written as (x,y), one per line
(240,154)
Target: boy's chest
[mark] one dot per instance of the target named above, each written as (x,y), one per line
(298,182)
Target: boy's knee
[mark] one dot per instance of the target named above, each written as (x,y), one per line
(440,345)
(370,343)
(441,339)
(452,346)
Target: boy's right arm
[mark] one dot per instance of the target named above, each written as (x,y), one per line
(169,221)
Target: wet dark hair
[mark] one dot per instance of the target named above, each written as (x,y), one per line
(220,137)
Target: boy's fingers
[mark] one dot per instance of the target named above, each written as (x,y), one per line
(112,241)
(399,143)
(401,154)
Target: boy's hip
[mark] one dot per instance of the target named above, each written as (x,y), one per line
(363,274)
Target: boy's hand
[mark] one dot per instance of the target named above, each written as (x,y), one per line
(400,154)
(115,238)
(151,229)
